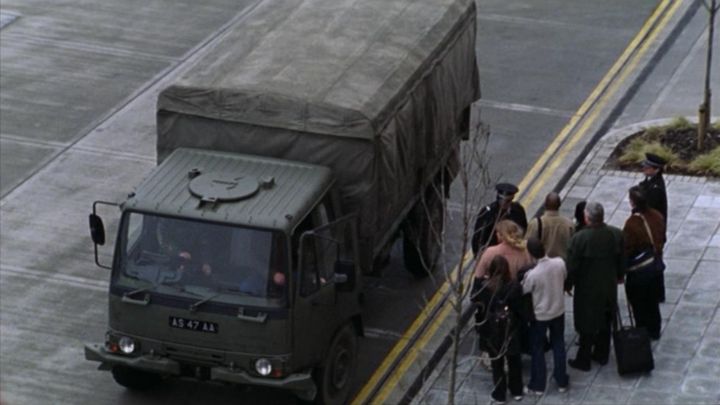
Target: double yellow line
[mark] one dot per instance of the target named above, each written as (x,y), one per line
(561,146)
(596,101)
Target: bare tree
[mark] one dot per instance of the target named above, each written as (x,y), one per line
(704,112)
(470,187)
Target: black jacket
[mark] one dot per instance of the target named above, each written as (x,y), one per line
(498,336)
(490,215)
(654,189)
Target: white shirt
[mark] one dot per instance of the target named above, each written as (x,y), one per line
(546,283)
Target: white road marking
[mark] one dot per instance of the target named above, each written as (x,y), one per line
(64,279)
(523,108)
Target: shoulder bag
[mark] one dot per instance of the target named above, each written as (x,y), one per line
(646,259)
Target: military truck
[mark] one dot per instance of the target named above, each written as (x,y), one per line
(292,154)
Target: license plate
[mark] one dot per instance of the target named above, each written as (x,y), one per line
(193,324)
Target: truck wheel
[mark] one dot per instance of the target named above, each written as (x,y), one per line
(422,238)
(336,373)
(134,379)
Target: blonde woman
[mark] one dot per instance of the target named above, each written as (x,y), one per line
(511,247)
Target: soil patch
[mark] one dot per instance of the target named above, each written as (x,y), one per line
(682,141)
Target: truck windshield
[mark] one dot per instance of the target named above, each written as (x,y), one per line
(200,259)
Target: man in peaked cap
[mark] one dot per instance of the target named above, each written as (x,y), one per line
(502,208)
(654,189)
(654,184)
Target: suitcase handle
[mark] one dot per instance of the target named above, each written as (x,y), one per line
(618,316)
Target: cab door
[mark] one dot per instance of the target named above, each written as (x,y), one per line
(315,311)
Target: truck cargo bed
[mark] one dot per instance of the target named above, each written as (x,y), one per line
(379,91)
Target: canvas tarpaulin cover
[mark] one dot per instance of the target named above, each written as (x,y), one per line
(378,90)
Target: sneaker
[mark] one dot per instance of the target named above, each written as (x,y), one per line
(518,398)
(562,390)
(528,391)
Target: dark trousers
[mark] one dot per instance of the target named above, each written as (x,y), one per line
(595,346)
(643,293)
(513,379)
(538,373)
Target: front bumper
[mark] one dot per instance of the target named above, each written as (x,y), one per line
(301,384)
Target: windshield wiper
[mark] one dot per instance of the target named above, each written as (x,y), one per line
(234,290)
(195,306)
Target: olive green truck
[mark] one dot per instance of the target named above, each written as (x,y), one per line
(292,154)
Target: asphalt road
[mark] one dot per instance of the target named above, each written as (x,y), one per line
(79,81)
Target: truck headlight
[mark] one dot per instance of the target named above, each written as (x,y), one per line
(127,345)
(263,367)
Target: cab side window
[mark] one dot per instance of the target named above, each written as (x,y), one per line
(310,282)
(325,247)
(318,255)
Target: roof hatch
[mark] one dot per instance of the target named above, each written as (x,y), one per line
(217,187)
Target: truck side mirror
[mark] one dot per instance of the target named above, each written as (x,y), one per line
(97,229)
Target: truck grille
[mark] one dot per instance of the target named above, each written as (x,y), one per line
(194,356)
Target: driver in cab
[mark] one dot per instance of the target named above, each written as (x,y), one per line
(190,250)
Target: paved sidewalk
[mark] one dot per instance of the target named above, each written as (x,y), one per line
(687,357)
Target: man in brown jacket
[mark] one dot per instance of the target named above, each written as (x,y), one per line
(551,228)
(644,229)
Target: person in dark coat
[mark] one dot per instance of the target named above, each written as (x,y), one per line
(654,184)
(580,215)
(644,229)
(498,298)
(595,264)
(654,188)
(502,208)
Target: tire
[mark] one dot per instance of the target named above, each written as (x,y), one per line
(421,237)
(336,374)
(134,379)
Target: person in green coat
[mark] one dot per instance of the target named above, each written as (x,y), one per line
(595,264)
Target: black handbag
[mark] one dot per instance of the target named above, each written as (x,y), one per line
(633,352)
(647,259)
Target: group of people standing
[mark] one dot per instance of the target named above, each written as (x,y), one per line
(524,269)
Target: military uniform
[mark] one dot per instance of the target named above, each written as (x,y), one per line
(656,196)
(491,214)
(654,189)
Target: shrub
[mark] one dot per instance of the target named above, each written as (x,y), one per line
(707,163)
(680,123)
(653,133)
(637,148)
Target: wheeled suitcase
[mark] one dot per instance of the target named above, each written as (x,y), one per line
(633,352)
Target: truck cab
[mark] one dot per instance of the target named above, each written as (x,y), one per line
(234,268)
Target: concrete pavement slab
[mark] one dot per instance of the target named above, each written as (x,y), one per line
(706,280)
(673,365)
(702,297)
(599,395)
